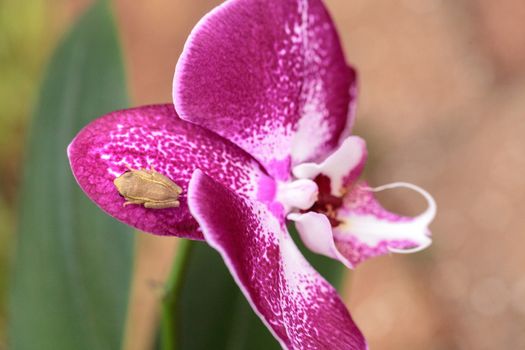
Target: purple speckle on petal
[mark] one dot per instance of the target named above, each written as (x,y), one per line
(270,76)
(154,136)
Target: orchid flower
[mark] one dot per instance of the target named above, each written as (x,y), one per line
(259,134)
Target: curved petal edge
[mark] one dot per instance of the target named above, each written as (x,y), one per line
(271,77)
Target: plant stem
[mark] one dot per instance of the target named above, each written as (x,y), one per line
(171,294)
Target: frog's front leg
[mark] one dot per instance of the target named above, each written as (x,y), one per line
(162,205)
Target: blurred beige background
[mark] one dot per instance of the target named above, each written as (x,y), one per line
(442,105)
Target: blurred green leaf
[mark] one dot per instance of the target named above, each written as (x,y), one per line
(71,274)
(214,314)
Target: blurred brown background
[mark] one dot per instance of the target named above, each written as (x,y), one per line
(442,105)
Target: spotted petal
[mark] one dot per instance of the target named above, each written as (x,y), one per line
(366,229)
(269,76)
(297,305)
(154,137)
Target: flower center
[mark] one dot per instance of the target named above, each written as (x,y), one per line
(327,203)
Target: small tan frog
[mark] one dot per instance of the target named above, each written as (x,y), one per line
(149,188)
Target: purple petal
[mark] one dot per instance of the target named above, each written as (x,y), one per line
(343,167)
(154,136)
(299,307)
(269,76)
(366,229)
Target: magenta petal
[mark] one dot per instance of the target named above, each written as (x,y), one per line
(299,307)
(269,76)
(154,136)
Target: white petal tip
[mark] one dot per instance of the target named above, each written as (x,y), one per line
(417,249)
(428,215)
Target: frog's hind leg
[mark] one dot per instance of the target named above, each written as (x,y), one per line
(162,205)
(132,202)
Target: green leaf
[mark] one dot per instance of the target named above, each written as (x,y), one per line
(214,314)
(71,273)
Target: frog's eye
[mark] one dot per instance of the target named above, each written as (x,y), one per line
(126,175)
(122,182)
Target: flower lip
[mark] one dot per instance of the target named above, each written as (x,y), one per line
(423,220)
(364,228)
(428,215)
